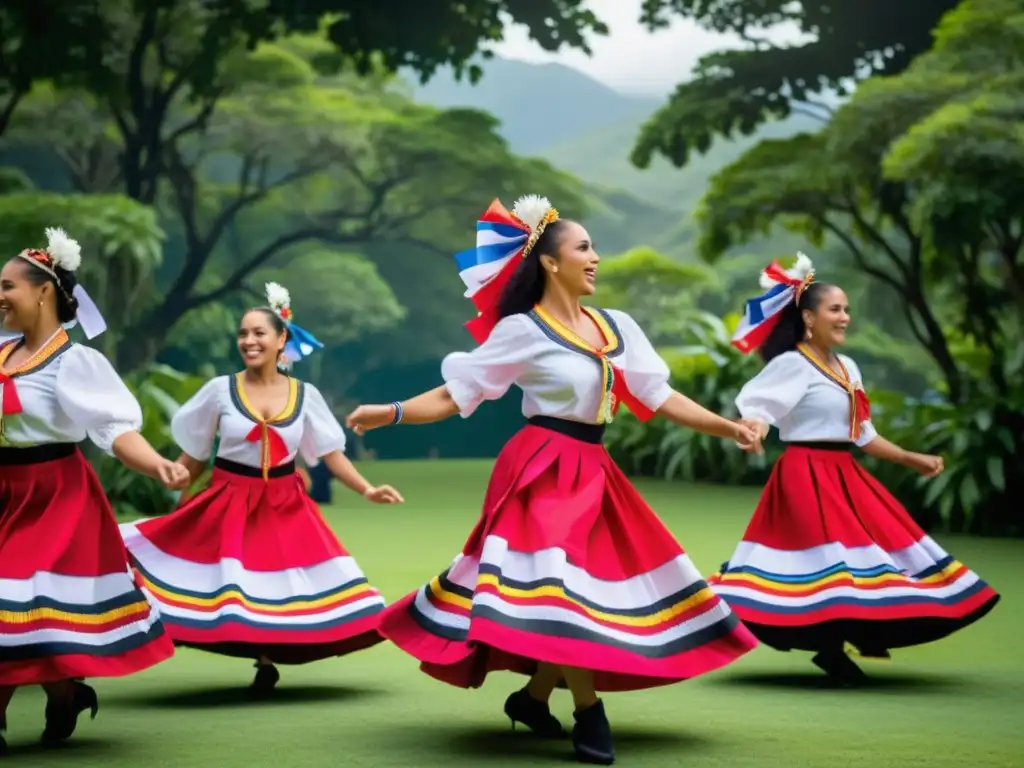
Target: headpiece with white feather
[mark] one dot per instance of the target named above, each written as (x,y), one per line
(300,343)
(761,314)
(62,254)
(503,239)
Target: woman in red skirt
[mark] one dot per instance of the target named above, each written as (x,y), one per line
(69,608)
(248,567)
(830,556)
(569,577)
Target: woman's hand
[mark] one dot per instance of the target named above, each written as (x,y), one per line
(367,417)
(383,494)
(750,433)
(922,463)
(139,456)
(173,475)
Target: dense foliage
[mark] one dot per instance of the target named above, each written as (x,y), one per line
(160,391)
(915,184)
(199,149)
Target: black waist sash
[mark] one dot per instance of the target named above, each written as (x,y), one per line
(577,430)
(12,456)
(823,445)
(282,470)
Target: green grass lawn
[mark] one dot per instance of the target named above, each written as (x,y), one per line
(958,703)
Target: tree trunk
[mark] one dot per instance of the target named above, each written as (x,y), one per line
(137,349)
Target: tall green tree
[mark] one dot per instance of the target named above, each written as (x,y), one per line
(736,91)
(290,158)
(143,58)
(44,39)
(919,178)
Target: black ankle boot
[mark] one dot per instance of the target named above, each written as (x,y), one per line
(62,716)
(840,668)
(266,678)
(592,736)
(521,707)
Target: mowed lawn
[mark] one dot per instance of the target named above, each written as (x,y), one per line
(958,703)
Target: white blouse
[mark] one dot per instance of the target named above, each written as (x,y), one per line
(560,375)
(805,404)
(306,425)
(68,393)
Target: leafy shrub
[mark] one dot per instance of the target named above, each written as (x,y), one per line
(983,456)
(981,441)
(710,371)
(160,391)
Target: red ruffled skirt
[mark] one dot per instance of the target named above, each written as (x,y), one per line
(69,606)
(831,557)
(249,568)
(567,565)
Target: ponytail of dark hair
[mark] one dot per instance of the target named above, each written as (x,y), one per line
(526,285)
(63,289)
(790,329)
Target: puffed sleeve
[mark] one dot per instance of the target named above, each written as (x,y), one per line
(321,432)
(646,371)
(195,423)
(776,390)
(488,371)
(92,395)
(867,429)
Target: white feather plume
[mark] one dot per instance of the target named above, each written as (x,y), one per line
(798,271)
(531,210)
(277,296)
(65,252)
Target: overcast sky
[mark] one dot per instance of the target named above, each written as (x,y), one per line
(630,58)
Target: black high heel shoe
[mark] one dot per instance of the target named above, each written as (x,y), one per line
(840,668)
(62,716)
(266,678)
(521,707)
(592,736)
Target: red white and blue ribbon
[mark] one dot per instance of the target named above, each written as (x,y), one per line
(761,314)
(487,268)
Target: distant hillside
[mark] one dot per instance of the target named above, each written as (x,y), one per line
(602,155)
(538,104)
(588,129)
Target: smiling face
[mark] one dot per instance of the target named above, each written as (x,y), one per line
(259,340)
(20,298)
(830,318)
(573,266)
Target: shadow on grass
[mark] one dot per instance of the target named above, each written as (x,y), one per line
(213,698)
(817,681)
(77,746)
(492,744)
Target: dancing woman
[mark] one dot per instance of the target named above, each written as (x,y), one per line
(569,577)
(830,557)
(69,608)
(248,567)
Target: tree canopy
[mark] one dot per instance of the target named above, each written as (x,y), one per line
(113,48)
(736,91)
(282,159)
(918,179)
